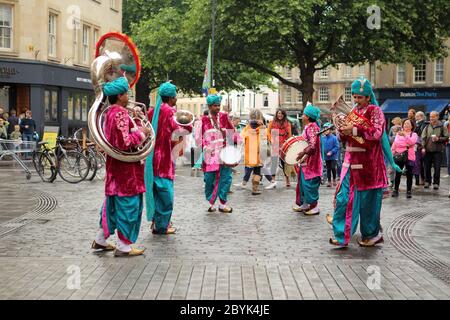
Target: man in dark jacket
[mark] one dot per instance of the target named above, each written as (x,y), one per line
(28,127)
(434,137)
(13,121)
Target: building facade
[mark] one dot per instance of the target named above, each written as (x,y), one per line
(329,84)
(424,86)
(238,102)
(46,48)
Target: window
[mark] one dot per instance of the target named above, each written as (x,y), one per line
(76,28)
(70,108)
(96,37)
(84,108)
(51,105)
(348,94)
(52,35)
(6,29)
(348,72)
(288,73)
(324,73)
(439,70)
(266,100)
(300,96)
(324,94)
(420,71)
(78,107)
(86,53)
(287,94)
(362,70)
(401,73)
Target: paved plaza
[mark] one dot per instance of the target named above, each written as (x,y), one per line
(263,250)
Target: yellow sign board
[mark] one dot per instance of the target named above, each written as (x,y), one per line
(50,136)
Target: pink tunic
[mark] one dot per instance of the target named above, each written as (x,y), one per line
(122,178)
(312,167)
(406,142)
(210,139)
(366,161)
(164,157)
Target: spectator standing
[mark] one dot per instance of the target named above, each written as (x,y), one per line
(412,115)
(13,121)
(434,137)
(331,153)
(3,132)
(447,147)
(404,155)
(419,167)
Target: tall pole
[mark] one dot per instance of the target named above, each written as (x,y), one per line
(213,36)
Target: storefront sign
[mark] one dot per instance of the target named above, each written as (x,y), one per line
(50,136)
(7,72)
(418,94)
(84,80)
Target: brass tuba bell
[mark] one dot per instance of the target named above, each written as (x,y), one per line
(116,56)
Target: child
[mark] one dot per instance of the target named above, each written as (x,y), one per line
(16,135)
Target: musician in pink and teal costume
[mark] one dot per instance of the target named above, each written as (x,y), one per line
(159,169)
(216,126)
(363,177)
(124,184)
(310,173)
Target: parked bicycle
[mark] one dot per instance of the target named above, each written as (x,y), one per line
(97,159)
(64,160)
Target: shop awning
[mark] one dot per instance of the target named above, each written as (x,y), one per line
(403,105)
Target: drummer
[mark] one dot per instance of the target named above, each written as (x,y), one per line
(310,173)
(217,176)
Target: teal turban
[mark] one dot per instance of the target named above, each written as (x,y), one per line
(327,125)
(118,86)
(312,112)
(213,99)
(363,87)
(167,89)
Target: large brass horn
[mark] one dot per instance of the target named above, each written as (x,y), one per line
(116,56)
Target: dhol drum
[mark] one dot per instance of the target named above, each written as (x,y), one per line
(291,148)
(230,156)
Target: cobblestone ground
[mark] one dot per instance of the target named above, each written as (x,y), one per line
(262,250)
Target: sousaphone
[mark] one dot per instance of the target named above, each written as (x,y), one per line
(116,56)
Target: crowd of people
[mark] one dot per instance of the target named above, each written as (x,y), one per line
(12,127)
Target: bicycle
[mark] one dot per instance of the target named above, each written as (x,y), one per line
(70,164)
(97,159)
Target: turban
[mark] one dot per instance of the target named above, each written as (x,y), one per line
(363,87)
(327,125)
(118,86)
(213,99)
(167,89)
(312,112)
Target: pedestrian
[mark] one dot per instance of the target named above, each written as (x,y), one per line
(252,135)
(447,146)
(278,131)
(124,185)
(404,155)
(159,167)
(363,174)
(331,154)
(13,121)
(213,137)
(412,115)
(310,173)
(396,127)
(419,166)
(3,132)
(16,135)
(434,137)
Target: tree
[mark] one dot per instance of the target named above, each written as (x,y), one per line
(170,48)
(315,34)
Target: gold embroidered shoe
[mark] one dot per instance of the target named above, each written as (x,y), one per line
(337,243)
(371,242)
(108,247)
(313,212)
(212,209)
(226,210)
(134,252)
(329,218)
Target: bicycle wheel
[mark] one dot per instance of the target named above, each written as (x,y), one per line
(45,167)
(92,165)
(73,166)
(101,165)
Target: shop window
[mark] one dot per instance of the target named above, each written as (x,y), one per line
(78,107)
(70,108)
(51,105)
(84,108)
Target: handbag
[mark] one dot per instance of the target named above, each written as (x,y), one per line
(401,157)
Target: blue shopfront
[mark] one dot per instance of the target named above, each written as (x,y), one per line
(397,102)
(57,95)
